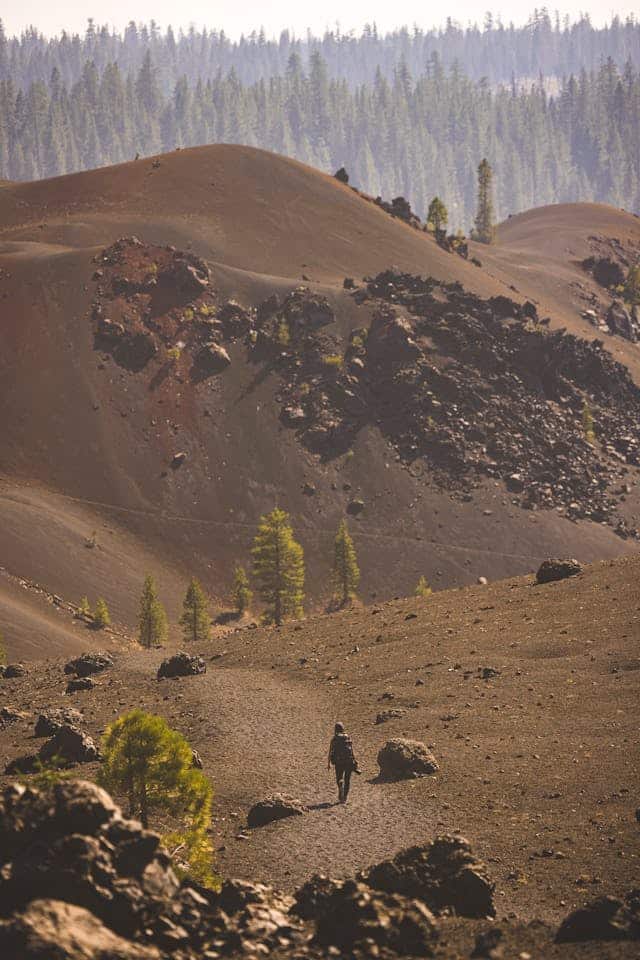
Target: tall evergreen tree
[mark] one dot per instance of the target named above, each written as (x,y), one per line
(195,619)
(152,619)
(346,575)
(485,229)
(278,566)
(437,215)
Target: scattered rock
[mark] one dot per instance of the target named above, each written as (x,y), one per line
(554,569)
(274,808)
(181,665)
(387,715)
(70,744)
(606,918)
(51,721)
(9,716)
(444,874)
(488,673)
(13,670)
(80,683)
(55,930)
(354,915)
(178,459)
(621,322)
(401,759)
(311,898)
(342,175)
(355,507)
(89,663)
(212,359)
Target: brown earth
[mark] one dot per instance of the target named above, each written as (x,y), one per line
(86,445)
(538,764)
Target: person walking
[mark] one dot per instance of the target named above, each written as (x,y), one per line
(343,760)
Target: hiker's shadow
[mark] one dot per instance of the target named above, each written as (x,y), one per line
(324,806)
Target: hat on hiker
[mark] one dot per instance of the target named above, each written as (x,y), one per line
(339,728)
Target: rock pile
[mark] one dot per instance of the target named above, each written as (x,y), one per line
(607,918)
(51,721)
(181,665)
(88,664)
(78,880)
(274,808)
(401,759)
(554,569)
(444,874)
(485,389)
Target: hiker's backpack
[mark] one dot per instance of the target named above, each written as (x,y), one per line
(343,750)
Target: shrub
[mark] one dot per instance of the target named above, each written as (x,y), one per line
(423,589)
(588,424)
(101,616)
(333,360)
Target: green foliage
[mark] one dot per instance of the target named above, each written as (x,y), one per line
(333,360)
(283,333)
(3,651)
(437,215)
(174,353)
(631,291)
(588,424)
(46,773)
(153,765)
(188,315)
(423,589)
(195,619)
(484,231)
(152,619)
(242,594)
(278,566)
(101,616)
(84,608)
(346,574)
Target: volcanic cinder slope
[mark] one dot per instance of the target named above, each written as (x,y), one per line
(87,445)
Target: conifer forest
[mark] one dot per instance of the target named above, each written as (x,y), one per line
(554,106)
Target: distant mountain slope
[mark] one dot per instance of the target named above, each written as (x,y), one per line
(83,433)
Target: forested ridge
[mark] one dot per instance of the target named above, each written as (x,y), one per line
(410,113)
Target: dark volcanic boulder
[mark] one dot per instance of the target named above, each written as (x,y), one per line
(355,915)
(70,744)
(555,569)
(89,663)
(444,874)
(50,721)
(181,665)
(606,918)
(401,759)
(274,808)
(619,321)
(188,274)
(54,930)
(13,670)
(212,358)
(342,175)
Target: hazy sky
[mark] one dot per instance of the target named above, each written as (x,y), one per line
(237,16)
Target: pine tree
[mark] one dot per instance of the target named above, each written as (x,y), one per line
(152,619)
(437,215)
(423,589)
(242,594)
(84,609)
(278,566)
(632,285)
(153,765)
(346,575)
(484,231)
(195,617)
(101,617)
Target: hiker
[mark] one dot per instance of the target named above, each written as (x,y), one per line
(342,758)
